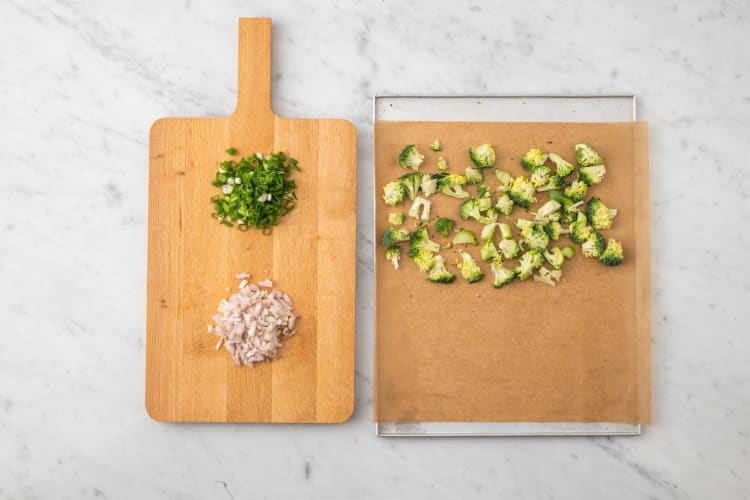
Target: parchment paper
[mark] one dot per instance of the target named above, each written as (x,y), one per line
(528,352)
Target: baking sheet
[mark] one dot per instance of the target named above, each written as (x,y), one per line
(414,372)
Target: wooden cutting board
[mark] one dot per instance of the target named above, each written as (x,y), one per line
(192,260)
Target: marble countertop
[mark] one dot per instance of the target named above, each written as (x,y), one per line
(82,80)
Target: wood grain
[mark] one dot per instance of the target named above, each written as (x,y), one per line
(192,260)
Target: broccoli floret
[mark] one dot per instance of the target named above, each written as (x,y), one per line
(464,237)
(488,231)
(393,235)
(577,190)
(411,182)
(438,273)
(594,245)
(509,248)
(393,254)
(506,232)
(428,184)
(533,158)
(555,257)
(579,229)
(504,204)
(592,175)
(436,145)
(424,259)
(442,164)
(469,268)
(420,240)
(540,176)
(420,205)
(410,157)
(444,226)
(562,168)
(525,226)
(548,277)
(452,185)
(501,274)
(548,212)
(528,263)
(587,156)
(522,192)
(484,198)
(396,218)
(489,252)
(554,182)
(612,255)
(537,238)
(473,175)
(568,252)
(554,229)
(506,180)
(393,193)
(483,156)
(568,205)
(599,214)
(471,209)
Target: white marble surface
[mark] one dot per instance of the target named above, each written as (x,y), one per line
(80,83)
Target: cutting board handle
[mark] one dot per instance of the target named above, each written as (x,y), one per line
(254,67)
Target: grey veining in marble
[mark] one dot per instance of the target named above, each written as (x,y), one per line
(82,80)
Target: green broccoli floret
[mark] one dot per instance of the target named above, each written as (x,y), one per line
(554,182)
(436,145)
(579,229)
(592,175)
(420,240)
(522,192)
(484,198)
(612,255)
(587,156)
(554,229)
(393,193)
(577,190)
(473,175)
(393,254)
(469,269)
(568,252)
(464,237)
(444,226)
(438,273)
(548,212)
(420,206)
(568,205)
(411,182)
(533,158)
(509,248)
(504,204)
(501,274)
(393,235)
(471,209)
(540,176)
(562,168)
(424,259)
(525,226)
(506,180)
(594,245)
(548,277)
(442,164)
(410,157)
(396,218)
(555,257)
(452,185)
(489,252)
(528,263)
(428,184)
(599,214)
(483,156)
(537,238)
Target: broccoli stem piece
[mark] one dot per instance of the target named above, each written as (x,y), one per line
(464,237)
(420,205)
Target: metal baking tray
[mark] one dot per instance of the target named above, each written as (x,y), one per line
(506,108)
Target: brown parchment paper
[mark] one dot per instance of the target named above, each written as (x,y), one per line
(528,352)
